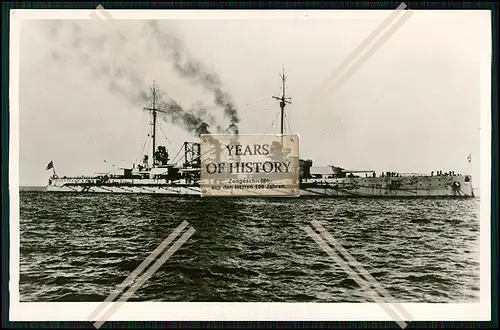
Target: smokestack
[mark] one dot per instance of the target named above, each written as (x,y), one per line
(203,129)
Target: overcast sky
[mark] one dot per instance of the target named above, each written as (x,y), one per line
(412,107)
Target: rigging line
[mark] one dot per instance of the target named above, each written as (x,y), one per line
(287,118)
(286,125)
(175,160)
(205,153)
(172,146)
(208,151)
(255,102)
(144,153)
(146,143)
(138,159)
(141,152)
(277,115)
(252,103)
(238,107)
(201,155)
(219,107)
(165,136)
(267,130)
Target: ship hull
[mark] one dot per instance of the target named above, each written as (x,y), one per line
(137,189)
(409,186)
(415,186)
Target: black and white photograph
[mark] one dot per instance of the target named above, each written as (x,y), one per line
(390,122)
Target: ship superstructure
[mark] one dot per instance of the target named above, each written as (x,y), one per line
(159,175)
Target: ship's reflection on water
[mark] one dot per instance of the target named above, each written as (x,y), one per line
(79,247)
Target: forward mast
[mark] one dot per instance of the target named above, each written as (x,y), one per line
(154,111)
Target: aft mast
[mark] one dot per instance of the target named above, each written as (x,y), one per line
(283,100)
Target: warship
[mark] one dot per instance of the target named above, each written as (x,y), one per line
(158,175)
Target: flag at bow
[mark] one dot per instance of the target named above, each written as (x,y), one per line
(469,158)
(49,166)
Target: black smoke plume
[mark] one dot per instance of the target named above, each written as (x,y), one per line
(172,112)
(124,79)
(188,67)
